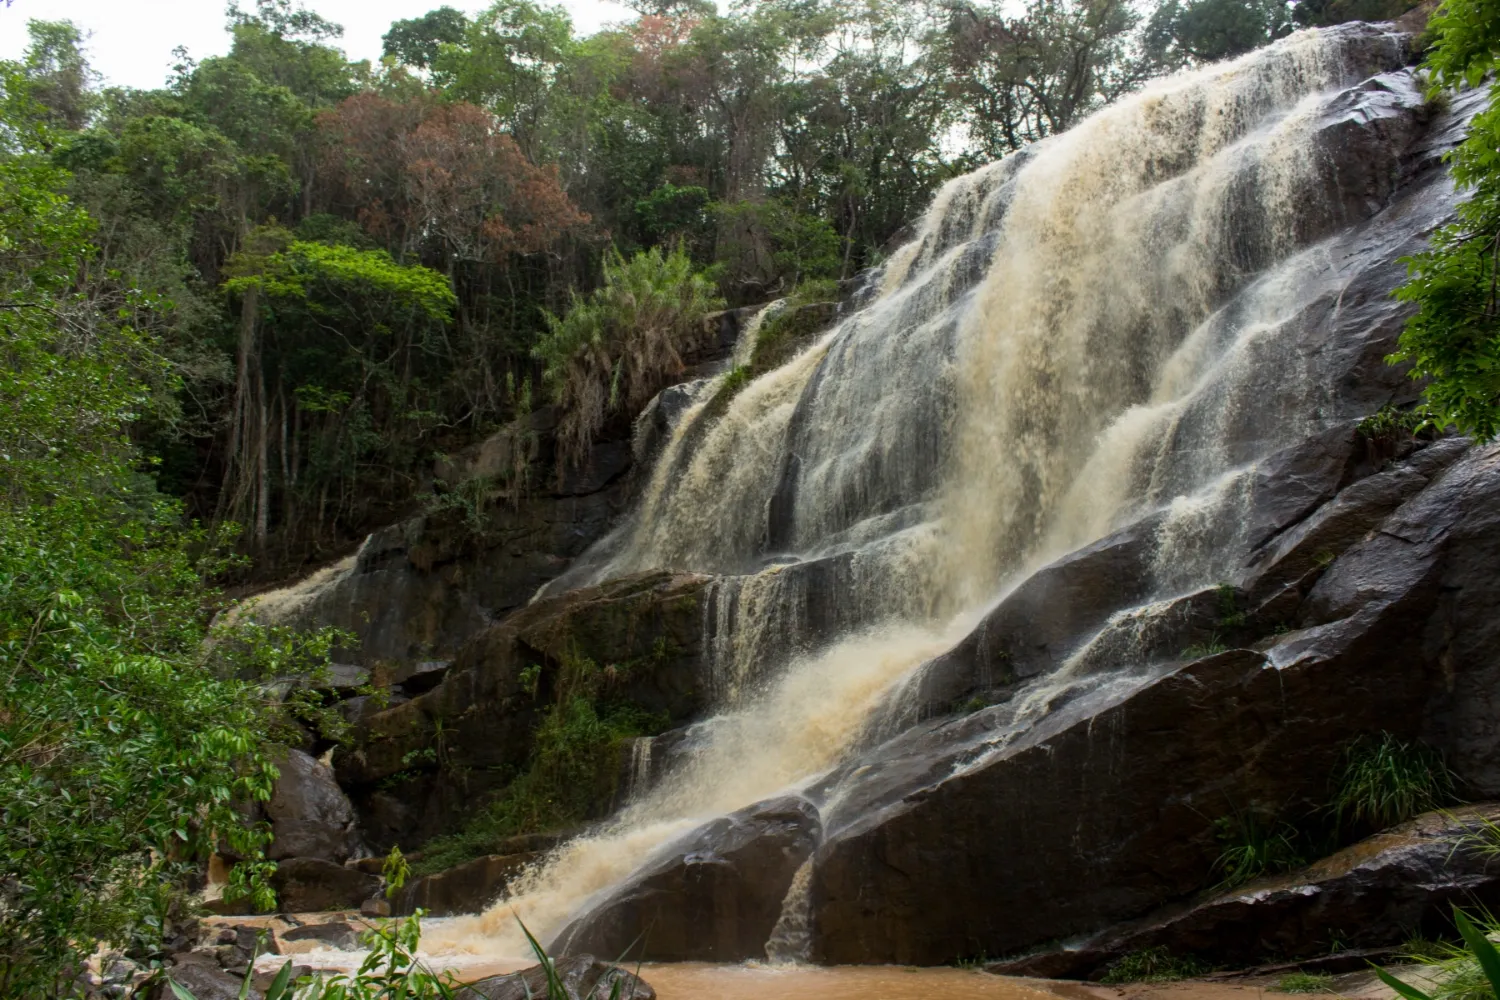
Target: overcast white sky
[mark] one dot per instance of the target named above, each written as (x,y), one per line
(133,40)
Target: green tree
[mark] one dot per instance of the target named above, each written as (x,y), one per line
(1208,30)
(60,76)
(416,41)
(1022,76)
(510,57)
(1452,341)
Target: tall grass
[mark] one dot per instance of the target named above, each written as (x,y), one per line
(1253,846)
(1386,781)
(1469,972)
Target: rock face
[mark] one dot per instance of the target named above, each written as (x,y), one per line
(310,815)
(307,885)
(1103,810)
(415,591)
(468,888)
(1376,892)
(583,977)
(714,896)
(420,766)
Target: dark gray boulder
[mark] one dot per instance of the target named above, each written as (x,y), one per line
(1102,810)
(201,976)
(466,888)
(310,815)
(714,896)
(338,934)
(311,885)
(1379,891)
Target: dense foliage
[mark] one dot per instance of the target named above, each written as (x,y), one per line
(300,211)
(1453,340)
(126,740)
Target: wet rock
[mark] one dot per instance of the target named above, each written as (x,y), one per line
(1379,891)
(419,678)
(201,976)
(376,906)
(713,896)
(467,888)
(415,591)
(310,815)
(1103,810)
(310,885)
(338,934)
(584,977)
(644,632)
(1044,619)
(1285,569)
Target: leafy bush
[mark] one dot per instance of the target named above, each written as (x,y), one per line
(616,348)
(1453,339)
(1386,781)
(1153,965)
(125,738)
(1304,982)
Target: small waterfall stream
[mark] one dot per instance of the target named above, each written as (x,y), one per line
(1055,353)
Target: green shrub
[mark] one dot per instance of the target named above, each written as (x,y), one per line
(617,347)
(1252,847)
(1197,651)
(1304,982)
(1153,965)
(1386,781)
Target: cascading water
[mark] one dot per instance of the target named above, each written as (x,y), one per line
(1050,357)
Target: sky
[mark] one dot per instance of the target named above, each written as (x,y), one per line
(133,40)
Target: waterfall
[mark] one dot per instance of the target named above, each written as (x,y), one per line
(1056,352)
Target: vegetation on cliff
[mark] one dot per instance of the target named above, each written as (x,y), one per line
(1453,340)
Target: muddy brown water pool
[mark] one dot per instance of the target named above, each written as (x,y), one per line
(869,982)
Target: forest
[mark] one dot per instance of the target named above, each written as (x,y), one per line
(243,314)
(347,269)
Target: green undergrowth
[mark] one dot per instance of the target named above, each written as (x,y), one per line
(1254,846)
(1381,781)
(1153,965)
(1466,970)
(570,778)
(1386,781)
(1304,982)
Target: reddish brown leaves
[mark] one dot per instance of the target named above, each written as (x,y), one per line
(424,170)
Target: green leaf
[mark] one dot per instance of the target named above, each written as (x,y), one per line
(1410,992)
(1483,949)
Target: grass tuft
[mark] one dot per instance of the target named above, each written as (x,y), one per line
(1386,781)
(1304,982)
(1252,847)
(1153,965)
